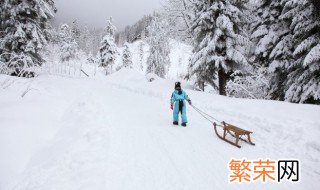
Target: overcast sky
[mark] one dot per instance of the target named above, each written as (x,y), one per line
(96,12)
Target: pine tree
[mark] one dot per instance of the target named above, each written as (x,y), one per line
(85,42)
(110,29)
(267,30)
(220,37)
(158,61)
(76,31)
(24,28)
(303,79)
(127,56)
(68,45)
(287,34)
(270,34)
(108,49)
(141,54)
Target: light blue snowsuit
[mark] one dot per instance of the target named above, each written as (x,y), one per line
(175,99)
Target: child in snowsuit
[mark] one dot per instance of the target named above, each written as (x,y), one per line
(178,104)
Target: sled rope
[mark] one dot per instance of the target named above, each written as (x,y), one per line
(206,116)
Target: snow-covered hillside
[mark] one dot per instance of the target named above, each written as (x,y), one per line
(115,132)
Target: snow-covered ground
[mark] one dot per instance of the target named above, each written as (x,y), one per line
(115,132)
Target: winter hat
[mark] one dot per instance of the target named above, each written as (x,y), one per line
(177,86)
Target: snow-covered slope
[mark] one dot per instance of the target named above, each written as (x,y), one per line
(115,132)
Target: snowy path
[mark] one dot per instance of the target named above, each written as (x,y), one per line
(116,133)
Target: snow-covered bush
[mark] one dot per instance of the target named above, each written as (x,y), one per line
(91,59)
(3,68)
(151,77)
(252,85)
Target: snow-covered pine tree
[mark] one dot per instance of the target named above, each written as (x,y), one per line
(24,32)
(68,45)
(303,79)
(273,45)
(141,54)
(108,49)
(84,43)
(266,29)
(158,61)
(110,29)
(252,85)
(220,40)
(76,31)
(127,56)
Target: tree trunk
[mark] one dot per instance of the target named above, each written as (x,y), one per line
(222,81)
(201,85)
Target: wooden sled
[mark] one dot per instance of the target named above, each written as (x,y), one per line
(235,132)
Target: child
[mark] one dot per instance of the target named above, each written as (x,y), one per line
(178,104)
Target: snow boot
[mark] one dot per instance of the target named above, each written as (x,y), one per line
(184,124)
(175,123)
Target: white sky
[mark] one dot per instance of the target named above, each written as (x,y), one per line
(96,12)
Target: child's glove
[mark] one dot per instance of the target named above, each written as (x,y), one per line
(171,107)
(189,101)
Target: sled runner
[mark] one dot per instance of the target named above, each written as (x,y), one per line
(235,132)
